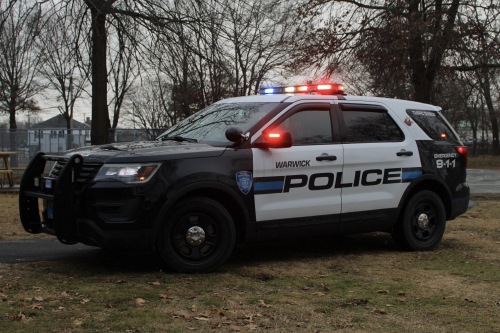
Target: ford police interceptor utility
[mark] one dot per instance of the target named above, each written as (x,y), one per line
(286,163)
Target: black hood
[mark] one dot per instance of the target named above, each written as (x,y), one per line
(145,151)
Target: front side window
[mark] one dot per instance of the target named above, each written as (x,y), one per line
(371,126)
(308,127)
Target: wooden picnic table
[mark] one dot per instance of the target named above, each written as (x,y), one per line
(8,170)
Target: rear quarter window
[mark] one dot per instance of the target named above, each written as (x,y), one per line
(433,125)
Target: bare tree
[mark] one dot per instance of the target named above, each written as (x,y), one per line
(151,107)
(20,62)
(403,41)
(150,15)
(124,67)
(259,33)
(479,53)
(63,63)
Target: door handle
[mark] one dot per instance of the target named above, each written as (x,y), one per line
(326,158)
(404,153)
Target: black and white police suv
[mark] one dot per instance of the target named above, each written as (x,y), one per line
(292,162)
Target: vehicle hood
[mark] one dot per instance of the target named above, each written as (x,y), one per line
(145,151)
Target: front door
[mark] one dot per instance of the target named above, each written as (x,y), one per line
(294,187)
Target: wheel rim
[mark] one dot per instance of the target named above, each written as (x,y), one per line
(195,237)
(424,222)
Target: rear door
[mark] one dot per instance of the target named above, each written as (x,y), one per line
(380,160)
(294,187)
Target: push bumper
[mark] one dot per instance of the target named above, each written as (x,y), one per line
(61,191)
(63,216)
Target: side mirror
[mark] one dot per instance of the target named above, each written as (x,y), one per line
(274,140)
(234,134)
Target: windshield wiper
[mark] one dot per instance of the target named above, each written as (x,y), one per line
(178,138)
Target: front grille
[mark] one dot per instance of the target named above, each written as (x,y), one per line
(87,174)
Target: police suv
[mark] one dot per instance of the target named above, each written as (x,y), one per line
(292,162)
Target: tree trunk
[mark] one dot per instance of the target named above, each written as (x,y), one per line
(13,126)
(491,110)
(474,141)
(100,115)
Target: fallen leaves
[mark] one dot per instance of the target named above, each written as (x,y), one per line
(358,301)
(39,299)
(382,291)
(469,300)
(306,288)
(216,325)
(201,318)
(139,302)
(155,283)
(264,305)
(19,317)
(401,293)
(33,307)
(379,311)
(194,308)
(318,293)
(165,296)
(325,286)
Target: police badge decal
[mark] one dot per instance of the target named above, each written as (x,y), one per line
(244,180)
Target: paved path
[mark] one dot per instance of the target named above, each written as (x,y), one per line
(483,181)
(44,249)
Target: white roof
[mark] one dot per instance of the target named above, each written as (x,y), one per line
(394,104)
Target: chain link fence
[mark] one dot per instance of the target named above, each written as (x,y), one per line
(56,141)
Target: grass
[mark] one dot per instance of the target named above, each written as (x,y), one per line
(484,162)
(349,284)
(10,224)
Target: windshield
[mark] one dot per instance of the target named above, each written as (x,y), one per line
(210,124)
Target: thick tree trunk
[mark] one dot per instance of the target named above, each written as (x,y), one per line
(100,114)
(423,88)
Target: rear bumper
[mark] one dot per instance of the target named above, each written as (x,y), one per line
(459,206)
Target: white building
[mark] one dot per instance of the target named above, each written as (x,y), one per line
(52,135)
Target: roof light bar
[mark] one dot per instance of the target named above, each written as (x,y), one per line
(323,89)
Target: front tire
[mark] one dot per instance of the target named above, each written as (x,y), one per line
(423,224)
(197,237)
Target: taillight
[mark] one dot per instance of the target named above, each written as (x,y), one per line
(463,151)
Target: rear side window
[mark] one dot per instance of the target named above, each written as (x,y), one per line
(433,125)
(370,126)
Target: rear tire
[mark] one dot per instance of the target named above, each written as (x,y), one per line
(423,224)
(198,236)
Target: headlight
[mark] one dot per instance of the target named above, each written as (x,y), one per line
(127,173)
